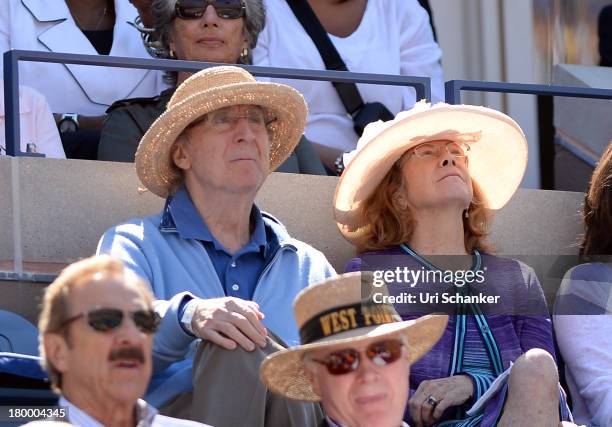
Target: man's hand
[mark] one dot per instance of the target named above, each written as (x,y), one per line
(228,322)
(447,392)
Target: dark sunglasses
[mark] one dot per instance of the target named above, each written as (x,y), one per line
(195,9)
(108,319)
(381,353)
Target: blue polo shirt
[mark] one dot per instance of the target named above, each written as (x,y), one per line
(237,272)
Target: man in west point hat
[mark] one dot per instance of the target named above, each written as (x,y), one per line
(225,273)
(96,333)
(355,355)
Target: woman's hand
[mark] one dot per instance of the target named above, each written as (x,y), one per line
(144,10)
(327,155)
(445,392)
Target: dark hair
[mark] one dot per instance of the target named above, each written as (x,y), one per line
(597,212)
(164,14)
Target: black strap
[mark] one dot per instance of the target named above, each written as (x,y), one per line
(336,320)
(348,92)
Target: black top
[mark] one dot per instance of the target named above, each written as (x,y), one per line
(102,40)
(605,36)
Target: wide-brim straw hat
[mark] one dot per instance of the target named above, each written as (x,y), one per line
(497,157)
(209,90)
(284,373)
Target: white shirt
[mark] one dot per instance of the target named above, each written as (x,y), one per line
(585,341)
(37,125)
(48,26)
(148,416)
(394,37)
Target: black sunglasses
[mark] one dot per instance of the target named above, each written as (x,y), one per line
(381,353)
(195,9)
(108,319)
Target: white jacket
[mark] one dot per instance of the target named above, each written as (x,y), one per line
(48,26)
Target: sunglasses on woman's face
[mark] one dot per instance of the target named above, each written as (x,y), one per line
(109,319)
(195,9)
(381,353)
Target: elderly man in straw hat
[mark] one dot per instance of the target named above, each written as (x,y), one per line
(225,272)
(355,355)
(96,334)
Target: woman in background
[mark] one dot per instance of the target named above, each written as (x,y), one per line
(383,37)
(583,308)
(78,94)
(38,132)
(223,32)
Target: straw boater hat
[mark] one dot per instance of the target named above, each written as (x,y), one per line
(498,155)
(209,90)
(323,312)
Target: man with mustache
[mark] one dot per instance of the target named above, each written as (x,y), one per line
(96,335)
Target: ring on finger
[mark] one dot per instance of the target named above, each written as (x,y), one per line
(432,401)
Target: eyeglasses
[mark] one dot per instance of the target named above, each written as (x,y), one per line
(108,319)
(381,353)
(195,9)
(224,119)
(430,151)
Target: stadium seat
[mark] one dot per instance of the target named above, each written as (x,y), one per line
(22,380)
(17,335)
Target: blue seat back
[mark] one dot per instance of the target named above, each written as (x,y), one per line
(17,335)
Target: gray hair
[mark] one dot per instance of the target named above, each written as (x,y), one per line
(164,14)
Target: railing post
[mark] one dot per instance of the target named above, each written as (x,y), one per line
(426,91)
(11,103)
(452,92)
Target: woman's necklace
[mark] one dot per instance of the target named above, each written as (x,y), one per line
(79,22)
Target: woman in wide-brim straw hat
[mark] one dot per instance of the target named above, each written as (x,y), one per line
(355,353)
(418,193)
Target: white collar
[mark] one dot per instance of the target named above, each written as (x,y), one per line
(332,423)
(145,414)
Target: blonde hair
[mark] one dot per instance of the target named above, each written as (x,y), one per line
(390,222)
(55,311)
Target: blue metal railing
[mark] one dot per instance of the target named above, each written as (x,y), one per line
(453,88)
(422,85)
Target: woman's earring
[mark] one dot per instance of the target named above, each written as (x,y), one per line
(171,53)
(466,214)
(244,53)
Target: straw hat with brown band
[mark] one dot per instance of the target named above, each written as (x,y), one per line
(497,157)
(209,90)
(336,312)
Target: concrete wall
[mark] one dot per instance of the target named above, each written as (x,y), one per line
(583,126)
(6,210)
(493,40)
(65,205)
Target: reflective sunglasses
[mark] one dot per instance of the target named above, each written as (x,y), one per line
(195,9)
(109,319)
(381,353)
